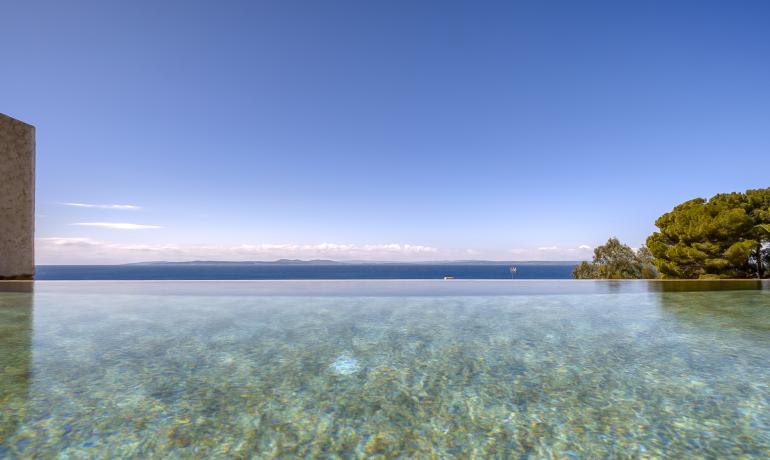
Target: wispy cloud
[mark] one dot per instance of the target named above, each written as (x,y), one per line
(80,250)
(582,247)
(117,225)
(567,251)
(122,207)
(552,252)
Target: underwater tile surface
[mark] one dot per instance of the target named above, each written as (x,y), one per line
(385,369)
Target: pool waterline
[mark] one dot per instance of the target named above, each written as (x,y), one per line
(413,368)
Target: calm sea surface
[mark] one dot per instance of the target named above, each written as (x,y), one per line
(298,272)
(384,369)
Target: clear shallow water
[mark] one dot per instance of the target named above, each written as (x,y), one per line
(417,369)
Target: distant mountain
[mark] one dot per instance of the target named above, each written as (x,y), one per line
(247,262)
(358,262)
(498,262)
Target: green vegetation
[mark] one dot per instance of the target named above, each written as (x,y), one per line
(615,260)
(727,236)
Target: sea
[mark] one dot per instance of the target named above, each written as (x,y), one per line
(301,272)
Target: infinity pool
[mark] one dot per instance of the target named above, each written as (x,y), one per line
(350,369)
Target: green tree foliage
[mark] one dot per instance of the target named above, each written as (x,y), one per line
(615,260)
(727,236)
(646,262)
(585,271)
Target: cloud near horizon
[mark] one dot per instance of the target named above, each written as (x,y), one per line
(59,250)
(581,248)
(122,207)
(551,253)
(117,225)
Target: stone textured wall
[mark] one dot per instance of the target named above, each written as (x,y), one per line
(17,199)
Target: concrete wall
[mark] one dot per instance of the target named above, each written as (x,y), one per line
(17,199)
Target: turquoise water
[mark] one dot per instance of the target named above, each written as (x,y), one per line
(352,369)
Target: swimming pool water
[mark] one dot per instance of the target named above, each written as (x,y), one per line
(351,369)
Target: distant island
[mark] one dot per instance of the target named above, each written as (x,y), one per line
(246,262)
(358,262)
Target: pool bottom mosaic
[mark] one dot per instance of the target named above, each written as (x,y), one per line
(586,375)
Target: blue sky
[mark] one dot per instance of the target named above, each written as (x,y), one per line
(381,130)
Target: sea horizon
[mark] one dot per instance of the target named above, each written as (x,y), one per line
(334,262)
(307,270)
(385,230)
